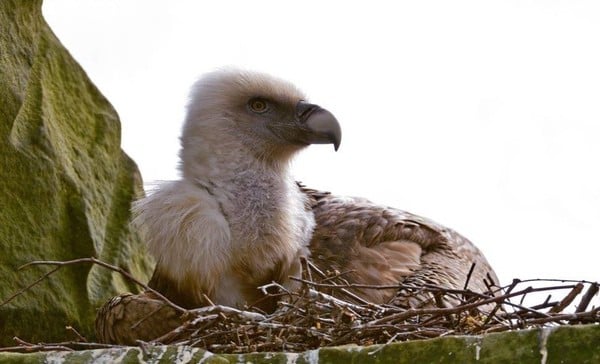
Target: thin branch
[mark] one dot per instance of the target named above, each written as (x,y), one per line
(469,276)
(568,299)
(28,287)
(587,297)
(60,264)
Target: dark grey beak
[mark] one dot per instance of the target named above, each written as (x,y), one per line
(318,125)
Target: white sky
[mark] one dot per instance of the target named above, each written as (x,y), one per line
(484,116)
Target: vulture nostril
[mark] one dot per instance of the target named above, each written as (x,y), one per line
(304,109)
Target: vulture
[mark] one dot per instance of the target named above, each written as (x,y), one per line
(238,220)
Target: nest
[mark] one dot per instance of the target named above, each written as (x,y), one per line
(324,312)
(309,318)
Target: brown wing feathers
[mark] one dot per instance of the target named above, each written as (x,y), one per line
(383,246)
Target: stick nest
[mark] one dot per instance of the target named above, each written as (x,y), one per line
(310,318)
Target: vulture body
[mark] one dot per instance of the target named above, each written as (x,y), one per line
(237,220)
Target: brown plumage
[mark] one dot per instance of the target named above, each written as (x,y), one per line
(377,245)
(126,318)
(238,220)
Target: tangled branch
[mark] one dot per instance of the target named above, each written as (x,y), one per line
(325,312)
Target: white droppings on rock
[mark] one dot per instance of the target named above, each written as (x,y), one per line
(477,343)
(207,354)
(242,360)
(544,334)
(291,358)
(56,357)
(115,355)
(311,356)
(185,354)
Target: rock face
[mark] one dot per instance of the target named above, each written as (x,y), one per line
(65,184)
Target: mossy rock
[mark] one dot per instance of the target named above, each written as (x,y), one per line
(65,184)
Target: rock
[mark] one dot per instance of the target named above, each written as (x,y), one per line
(65,185)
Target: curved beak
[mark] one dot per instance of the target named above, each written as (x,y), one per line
(317,125)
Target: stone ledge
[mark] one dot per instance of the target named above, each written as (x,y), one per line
(565,344)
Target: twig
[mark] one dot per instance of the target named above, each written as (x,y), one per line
(469,276)
(498,304)
(217,309)
(93,260)
(79,336)
(28,287)
(568,299)
(587,297)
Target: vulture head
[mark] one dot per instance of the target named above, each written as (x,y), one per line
(252,113)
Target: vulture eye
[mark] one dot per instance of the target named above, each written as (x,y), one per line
(258,106)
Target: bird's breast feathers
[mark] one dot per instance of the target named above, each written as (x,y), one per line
(186,232)
(207,240)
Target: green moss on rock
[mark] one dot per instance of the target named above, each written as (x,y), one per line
(504,347)
(572,344)
(65,184)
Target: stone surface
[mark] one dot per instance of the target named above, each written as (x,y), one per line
(567,344)
(65,184)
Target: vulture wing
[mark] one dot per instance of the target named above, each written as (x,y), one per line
(370,244)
